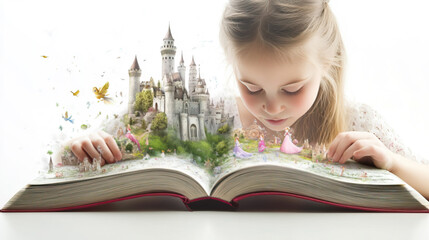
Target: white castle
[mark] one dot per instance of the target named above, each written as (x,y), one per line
(188,110)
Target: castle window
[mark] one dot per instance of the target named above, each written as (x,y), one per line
(193,132)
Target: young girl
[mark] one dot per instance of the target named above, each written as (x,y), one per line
(288,59)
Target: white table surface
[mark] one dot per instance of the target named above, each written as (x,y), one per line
(158,217)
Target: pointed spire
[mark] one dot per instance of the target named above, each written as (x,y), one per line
(168,36)
(135,65)
(193,62)
(181,60)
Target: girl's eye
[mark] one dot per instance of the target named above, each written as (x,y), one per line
(292,93)
(253,92)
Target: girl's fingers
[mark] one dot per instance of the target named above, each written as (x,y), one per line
(343,141)
(100,146)
(111,143)
(358,144)
(373,151)
(77,150)
(90,149)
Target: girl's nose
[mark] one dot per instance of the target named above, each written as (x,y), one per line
(273,107)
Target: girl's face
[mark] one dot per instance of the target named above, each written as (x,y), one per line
(277,93)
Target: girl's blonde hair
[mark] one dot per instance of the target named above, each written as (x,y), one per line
(282,27)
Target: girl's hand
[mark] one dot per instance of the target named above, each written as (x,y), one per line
(361,147)
(92,145)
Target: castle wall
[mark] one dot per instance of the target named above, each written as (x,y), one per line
(161,103)
(193,120)
(194,108)
(178,105)
(176,124)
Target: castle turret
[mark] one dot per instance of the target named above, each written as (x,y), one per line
(134,84)
(192,76)
(184,126)
(201,123)
(182,70)
(169,99)
(168,52)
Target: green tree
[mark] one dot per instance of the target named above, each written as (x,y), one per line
(159,122)
(222,148)
(129,147)
(144,125)
(159,84)
(224,129)
(144,100)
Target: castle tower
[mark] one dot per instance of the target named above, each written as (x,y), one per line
(168,52)
(169,99)
(201,123)
(134,84)
(182,70)
(184,126)
(192,76)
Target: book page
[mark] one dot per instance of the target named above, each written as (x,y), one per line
(184,165)
(350,171)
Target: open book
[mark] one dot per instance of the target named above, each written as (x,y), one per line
(351,185)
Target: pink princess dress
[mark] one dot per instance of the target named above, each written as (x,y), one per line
(261,144)
(288,146)
(133,139)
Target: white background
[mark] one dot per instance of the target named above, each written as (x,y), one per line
(386,43)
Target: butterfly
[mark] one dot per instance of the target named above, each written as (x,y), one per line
(102,93)
(75,93)
(67,118)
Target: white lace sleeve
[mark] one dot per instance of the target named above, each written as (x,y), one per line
(364,118)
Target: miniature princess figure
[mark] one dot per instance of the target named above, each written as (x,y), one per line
(131,136)
(261,144)
(162,154)
(287,145)
(238,152)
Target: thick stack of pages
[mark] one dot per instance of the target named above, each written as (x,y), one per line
(349,185)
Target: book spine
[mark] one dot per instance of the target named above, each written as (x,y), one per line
(211,203)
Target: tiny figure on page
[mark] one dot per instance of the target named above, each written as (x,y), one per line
(239,152)
(130,136)
(162,154)
(287,145)
(261,144)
